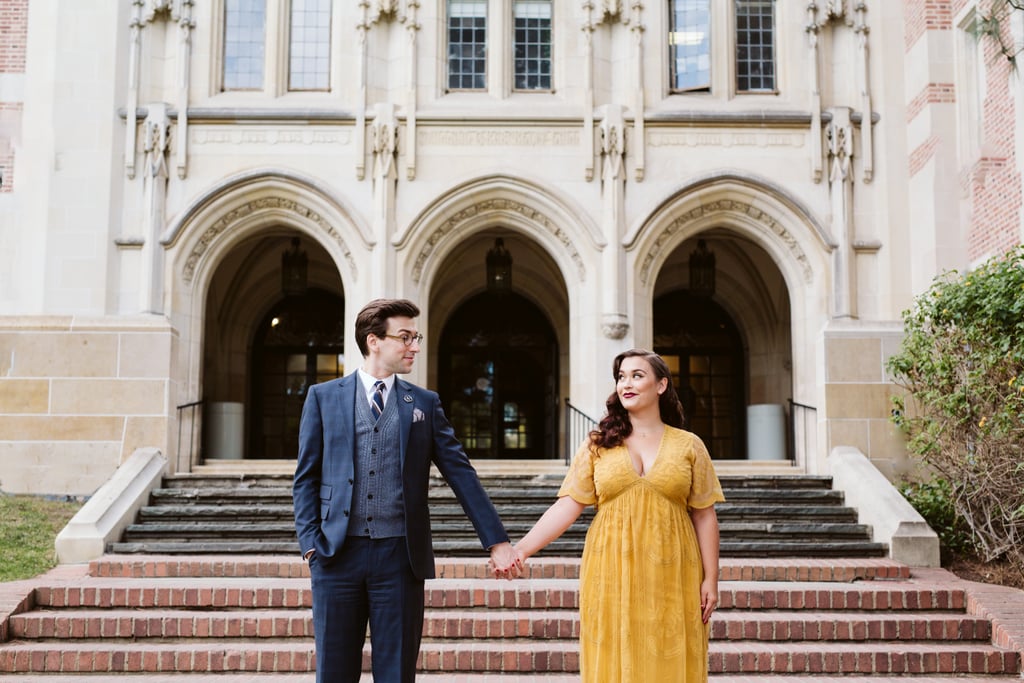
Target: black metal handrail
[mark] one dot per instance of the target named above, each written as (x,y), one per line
(799,431)
(192,427)
(577,426)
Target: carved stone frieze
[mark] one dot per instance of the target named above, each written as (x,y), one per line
(495,206)
(725,206)
(260,135)
(489,137)
(226,221)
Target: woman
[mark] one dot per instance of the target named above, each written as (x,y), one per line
(649,576)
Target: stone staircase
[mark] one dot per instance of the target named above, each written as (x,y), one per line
(765,515)
(235,618)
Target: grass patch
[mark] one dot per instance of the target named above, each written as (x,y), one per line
(28,527)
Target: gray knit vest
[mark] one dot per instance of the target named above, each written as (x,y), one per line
(377,509)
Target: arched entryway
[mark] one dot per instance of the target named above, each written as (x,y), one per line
(271,330)
(300,342)
(703,348)
(498,370)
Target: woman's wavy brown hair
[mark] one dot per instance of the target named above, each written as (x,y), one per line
(615,426)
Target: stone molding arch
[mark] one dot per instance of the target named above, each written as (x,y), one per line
(517,204)
(258,198)
(777,222)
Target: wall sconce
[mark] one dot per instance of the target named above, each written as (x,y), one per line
(702,270)
(499,267)
(294,266)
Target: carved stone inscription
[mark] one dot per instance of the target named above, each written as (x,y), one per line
(489,137)
(212,136)
(719,139)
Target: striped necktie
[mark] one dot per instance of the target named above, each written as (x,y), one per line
(377,402)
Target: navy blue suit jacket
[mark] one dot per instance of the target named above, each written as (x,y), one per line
(325,471)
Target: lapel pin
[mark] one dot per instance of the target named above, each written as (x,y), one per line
(407,398)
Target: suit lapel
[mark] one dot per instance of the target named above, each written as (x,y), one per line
(346,406)
(405,401)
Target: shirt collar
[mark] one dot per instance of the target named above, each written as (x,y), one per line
(368,381)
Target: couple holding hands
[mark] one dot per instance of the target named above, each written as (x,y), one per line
(649,574)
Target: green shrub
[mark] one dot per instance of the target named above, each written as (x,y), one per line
(961,364)
(934,501)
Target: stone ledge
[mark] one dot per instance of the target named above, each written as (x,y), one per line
(893,520)
(112,508)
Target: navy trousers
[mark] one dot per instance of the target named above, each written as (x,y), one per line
(368,581)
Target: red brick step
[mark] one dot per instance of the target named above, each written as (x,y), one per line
(247,618)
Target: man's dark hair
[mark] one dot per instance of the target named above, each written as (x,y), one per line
(373,319)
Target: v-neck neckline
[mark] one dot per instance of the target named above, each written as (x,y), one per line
(654,463)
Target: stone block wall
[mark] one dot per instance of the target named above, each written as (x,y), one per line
(77,397)
(858,392)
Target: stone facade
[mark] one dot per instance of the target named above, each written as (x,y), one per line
(148,201)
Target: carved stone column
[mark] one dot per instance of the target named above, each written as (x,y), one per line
(412,28)
(132,99)
(839,135)
(182,14)
(384,136)
(613,186)
(636,29)
(156,133)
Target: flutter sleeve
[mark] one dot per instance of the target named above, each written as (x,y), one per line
(579,481)
(705,489)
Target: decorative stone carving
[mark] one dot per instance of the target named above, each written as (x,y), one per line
(384,133)
(226,221)
(494,206)
(614,326)
(840,150)
(156,133)
(725,206)
(613,144)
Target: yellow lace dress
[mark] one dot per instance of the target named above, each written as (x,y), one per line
(641,571)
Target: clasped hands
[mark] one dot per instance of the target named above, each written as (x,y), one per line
(506,562)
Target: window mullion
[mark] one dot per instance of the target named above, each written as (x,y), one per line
(277,47)
(499,43)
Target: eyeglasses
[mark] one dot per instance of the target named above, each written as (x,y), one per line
(407,339)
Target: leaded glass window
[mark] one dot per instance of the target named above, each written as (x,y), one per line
(309,52)
(467,44)
(755,46)
(532,44)
(244,44)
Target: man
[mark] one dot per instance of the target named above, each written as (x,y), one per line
(366,442)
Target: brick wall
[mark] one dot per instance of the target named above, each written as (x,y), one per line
(13,42)
(925,15)
(13,35)
(995,179)
(992,182)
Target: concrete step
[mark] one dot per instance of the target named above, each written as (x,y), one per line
(571,547)
(232,509)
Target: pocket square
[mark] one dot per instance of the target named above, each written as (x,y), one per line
(417,415)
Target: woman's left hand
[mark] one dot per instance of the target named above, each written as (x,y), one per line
(708,599)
